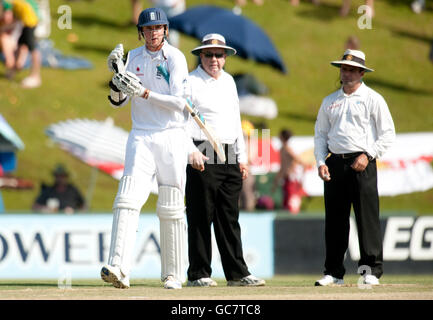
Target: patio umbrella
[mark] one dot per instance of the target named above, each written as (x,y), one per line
(249,40)
(10,143)
(9,140)
(100,144)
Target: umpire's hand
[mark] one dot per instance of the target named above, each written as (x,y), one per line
(197,159)
(324,173)
(360,163)
(244,170)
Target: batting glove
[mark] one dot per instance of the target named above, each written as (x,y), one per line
(116,97)
(129,84)
(115,56)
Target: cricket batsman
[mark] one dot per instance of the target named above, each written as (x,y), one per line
(157,147)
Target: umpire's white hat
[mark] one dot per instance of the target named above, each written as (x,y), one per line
(213,40)
(353,58)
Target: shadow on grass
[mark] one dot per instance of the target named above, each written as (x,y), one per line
(323,11)
(91,19)
(297,116)
(103,50)
(375,82)
(411,35)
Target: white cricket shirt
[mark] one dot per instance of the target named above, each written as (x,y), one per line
(145,114)
(359,122)
(218,102)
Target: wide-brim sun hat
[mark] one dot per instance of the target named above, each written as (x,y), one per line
(213,40)
(355,58)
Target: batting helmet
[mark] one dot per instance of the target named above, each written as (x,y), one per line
(151,17)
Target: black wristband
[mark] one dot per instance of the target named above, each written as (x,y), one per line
(116,103)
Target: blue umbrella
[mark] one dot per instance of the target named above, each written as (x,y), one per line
(249,40)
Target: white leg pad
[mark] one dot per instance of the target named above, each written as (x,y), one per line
(171,212)
(123,234)
(126,212)
(131,194)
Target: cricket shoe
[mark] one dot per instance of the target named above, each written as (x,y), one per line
(371,279)
(248,281)
(172,283)
(111,274)
(202,282)
(328,280)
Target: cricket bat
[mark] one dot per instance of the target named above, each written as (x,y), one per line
(198,118)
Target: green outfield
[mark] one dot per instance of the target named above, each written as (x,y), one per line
(293,287)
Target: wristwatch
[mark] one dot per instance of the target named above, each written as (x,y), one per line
(368,156)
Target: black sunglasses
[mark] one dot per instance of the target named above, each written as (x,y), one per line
(211,55)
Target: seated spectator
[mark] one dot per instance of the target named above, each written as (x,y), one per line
(25,13)
(289,177)
(248,197)
(242,3)
(61,196)
(352,43)
(296,2)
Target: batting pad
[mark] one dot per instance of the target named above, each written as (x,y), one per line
(123,233)
(171,212)
(131,194)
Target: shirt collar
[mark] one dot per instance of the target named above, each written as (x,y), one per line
(359,92)
(160,52)
(204,75)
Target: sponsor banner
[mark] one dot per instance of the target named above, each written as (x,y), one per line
(61,246)
(403,169)
(407,245)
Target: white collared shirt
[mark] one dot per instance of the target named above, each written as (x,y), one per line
(145,114)
(218,102)
(359,122)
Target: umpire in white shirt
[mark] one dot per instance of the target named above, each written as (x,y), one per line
(355,127)
(212,191)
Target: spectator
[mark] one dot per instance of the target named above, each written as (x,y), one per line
(248,197)
(242,3)
(61,196)
(352,43)
(418,6)
(345,8)
(136,9)
(237,9)
(26,13)
(296,2)
(289,176)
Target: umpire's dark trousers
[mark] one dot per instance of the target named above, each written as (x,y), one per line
(348,187)
(212,197)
